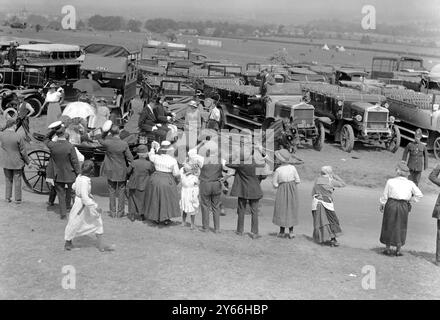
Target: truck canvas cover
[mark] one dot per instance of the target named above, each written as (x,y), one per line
(106,50)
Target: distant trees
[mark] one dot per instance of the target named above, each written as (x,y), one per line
(106,23)
(134,25)
(161,25)
(38,28)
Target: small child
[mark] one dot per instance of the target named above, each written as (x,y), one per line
(189,201)
(139,173)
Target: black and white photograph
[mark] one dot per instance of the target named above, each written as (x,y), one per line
(242,151)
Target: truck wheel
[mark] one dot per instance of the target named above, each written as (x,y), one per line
(394,143)
(318,142)
(36,104)
(437,148)
(347,138)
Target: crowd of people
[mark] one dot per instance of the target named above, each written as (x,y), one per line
(159,188)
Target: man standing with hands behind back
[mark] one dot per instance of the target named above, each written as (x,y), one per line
(418,157)
(14,157)
(116,161)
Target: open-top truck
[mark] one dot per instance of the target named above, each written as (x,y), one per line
(354,116)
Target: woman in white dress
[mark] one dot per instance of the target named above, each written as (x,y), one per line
(53,100)
(85,216)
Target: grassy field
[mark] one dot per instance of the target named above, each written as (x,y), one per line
(235,50)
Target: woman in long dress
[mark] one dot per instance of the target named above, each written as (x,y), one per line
(85,216)
(53,100)
(396,205)
(326,225)
(285,180)
(162,195)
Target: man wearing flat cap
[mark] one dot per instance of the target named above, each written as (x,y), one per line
(418,157)
(14,157)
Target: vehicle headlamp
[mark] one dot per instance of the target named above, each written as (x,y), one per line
(392,119)
(386,105)
(340,103)
(358,118)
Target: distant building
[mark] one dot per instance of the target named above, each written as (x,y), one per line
(192,32)
(209,31)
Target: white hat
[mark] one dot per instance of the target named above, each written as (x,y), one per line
(55,124)
(192,103)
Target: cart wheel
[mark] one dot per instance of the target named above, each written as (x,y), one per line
(36,104)
(347,138)
(394,143)
(437,148)
(34,174)
(10,113)
(318,142)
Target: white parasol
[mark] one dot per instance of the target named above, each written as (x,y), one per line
(79,110)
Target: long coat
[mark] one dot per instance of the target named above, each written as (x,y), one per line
(139,172)
(418,156)
(434,179)
(63,160)
(14,154)
(117,158)
(246,182)
(147,119)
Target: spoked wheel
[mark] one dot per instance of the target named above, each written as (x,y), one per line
(394,143)
(34,174)
(437,148)
(347,138)
(36,104)
(10,113)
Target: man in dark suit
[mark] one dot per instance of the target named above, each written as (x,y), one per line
(151,125)
(211,177)
(418,157)
(247,188)
(64,165)
(436,213)
(14,156)
(116,161)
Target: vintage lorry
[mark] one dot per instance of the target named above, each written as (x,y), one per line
(281,109)
(354,116)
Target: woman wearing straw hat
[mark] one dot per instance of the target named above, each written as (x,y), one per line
(53,99)
(285,180)
(162,196)
(325,222)
(395,205)
(139,173)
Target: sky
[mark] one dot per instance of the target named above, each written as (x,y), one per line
(267,11)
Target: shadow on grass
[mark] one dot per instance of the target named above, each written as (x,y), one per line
(85,242)
(430,257)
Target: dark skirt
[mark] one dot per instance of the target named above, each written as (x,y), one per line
(162,197)
(395,222)
(285,212)
(136,203)
(325,224)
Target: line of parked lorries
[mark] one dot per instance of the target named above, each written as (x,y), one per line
(301,102)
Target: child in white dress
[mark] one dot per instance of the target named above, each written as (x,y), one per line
(189,200)
(85,216)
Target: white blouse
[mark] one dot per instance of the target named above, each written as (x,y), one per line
(285,173)
(400,188)
(53,96)
(164,163)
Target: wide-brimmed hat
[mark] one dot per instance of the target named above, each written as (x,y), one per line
(284,156)
(165,145)
(193,104)
(53,86)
